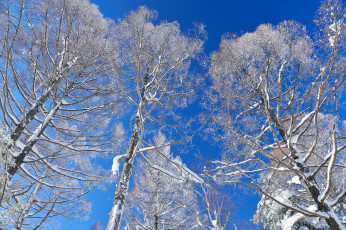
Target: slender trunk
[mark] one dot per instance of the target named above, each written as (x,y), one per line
(323,207)
(122,188)
(28,117)
(38,132)
(27,207)
(31,142)
(34,109)
(156,226)
(333,224)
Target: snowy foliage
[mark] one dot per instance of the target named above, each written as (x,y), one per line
(159,200)
(68,74)
(152,72)
(154,57)
(279,98)
(331,20)
(57,53)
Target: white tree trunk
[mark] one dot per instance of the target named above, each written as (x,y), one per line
(27,207)
(122,188)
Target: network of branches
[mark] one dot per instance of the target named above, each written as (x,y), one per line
(79,91)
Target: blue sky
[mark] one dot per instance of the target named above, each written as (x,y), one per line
(220,17)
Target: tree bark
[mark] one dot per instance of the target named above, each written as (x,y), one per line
(34,109)
(18,160)
(156,227)
(38,132)
(122,188)
(27,207)
(313,189)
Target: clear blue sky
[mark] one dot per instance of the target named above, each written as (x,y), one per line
(220,17)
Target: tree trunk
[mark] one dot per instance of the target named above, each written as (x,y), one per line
(122,188)
(31,142)
(27,207)
(38,132)
(313,189)
(156,226)
(34,109)
(323,207)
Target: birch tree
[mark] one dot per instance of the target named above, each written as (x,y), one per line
(54,72)
(162,197)
(279,94)
(6,195)
(155,80)
(215,203)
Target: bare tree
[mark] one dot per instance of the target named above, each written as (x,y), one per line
(215,202)
(161,200)
(54,68)
(279,94)
(6,195)
(154,80)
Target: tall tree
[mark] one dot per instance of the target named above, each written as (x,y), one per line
(153,74)
(215,203)
(279,94)
(162,197)
(54,68)
(6,194)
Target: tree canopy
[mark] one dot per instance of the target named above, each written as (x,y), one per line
(80,91)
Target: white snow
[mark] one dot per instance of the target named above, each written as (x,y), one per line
(307,116)
(335,27)
(167,172)
(115,166)
(294,180)
(64,102)
(335,200)
(284,196)
(332,40)
(312,208)
(287,224)
(190,174)
(337,220)
(72,62)
(20,144)
(294,139)
(14,119)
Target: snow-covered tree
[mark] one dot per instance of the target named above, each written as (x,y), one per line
(215,203)
(279,94)
(152,71)
(53,69)
(6,186)
(162,197)
(286,186)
